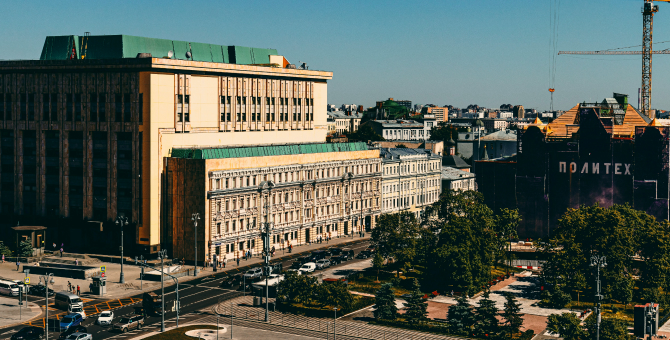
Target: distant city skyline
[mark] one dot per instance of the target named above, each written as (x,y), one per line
(441,52)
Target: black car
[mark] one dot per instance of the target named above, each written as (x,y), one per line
(363,255)
(39,290)
(71,330)
(29,333)
(296,265)
(317,255)
(302,260)
(334,251)
(231,281)
(277,267)
(335,260)
(342,258)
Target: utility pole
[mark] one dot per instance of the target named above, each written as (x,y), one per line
(265,234)
(195,217)
(162,254)
(46,278)
(598,262)
(121,221)
(335,318)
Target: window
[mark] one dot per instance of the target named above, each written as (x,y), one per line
(77,107)
(93,107)
(45,107)
(102,105)
(118,108)
(31,107)
(140,107)
(180,108)
(187,111)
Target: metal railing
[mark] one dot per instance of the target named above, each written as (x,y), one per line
(342,328)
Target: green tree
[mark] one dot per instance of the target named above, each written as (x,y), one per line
(385,307)
(511,315)
(621,289)
(25,248)
(416,311)
(465,248)
(506,226)
(4,250)
(618,232)
(395,236)
(377,263)
(296,288)
(567,325)
(335,295)
(559,298)
(460,317)
(487,324)
(610,329)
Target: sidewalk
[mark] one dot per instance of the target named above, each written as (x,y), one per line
(116,290)
(10,314)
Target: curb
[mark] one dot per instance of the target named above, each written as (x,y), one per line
(24,321)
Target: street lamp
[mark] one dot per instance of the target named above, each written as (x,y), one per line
(49,278)
(265,231)
(195,217)
(334,318)
(598,262)
(121,221)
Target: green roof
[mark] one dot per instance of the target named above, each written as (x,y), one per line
(274,150)
(127,46)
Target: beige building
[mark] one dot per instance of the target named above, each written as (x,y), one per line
(84,131)
(306,192)
(441,113)
(411,180)
(345,121)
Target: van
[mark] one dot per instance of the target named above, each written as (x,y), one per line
(9,288)
(308,267)
(66,301)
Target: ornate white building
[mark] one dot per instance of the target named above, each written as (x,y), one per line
(410,179)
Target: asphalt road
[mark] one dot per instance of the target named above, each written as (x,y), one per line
(194,295)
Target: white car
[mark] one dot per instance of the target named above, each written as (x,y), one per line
(105,318)
(308,267)
(78,310)
(80,336)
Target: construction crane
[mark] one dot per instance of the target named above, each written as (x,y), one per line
(648,11)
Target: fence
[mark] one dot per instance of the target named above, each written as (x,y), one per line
(341,328)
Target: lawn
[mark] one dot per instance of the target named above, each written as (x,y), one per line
(178,334)
(366,281)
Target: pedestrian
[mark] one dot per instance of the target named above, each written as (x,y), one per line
(78,292)
(238,261)
(90,287)
(290,248)
(69,286)
(61,252)
(3,258)
(54,246)
(18,264)
(76,262)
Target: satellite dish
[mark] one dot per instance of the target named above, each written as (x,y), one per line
(170,54)
(188,55)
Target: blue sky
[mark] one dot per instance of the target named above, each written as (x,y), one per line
(443,52)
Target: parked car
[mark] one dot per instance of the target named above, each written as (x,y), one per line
(79,310)
(323,263)
(302,259)
(253,273)
(342,258)
(371,249)
(308,267)
(334,260)
(71,330)
(70,320)
(296,265)
(39,290)
(349,252)
(334,251)
(80,336)
(231,281)
(105,318)
(126,324)
(29,333)
(364,255)
(317,255)
(277,267)
(296,271)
